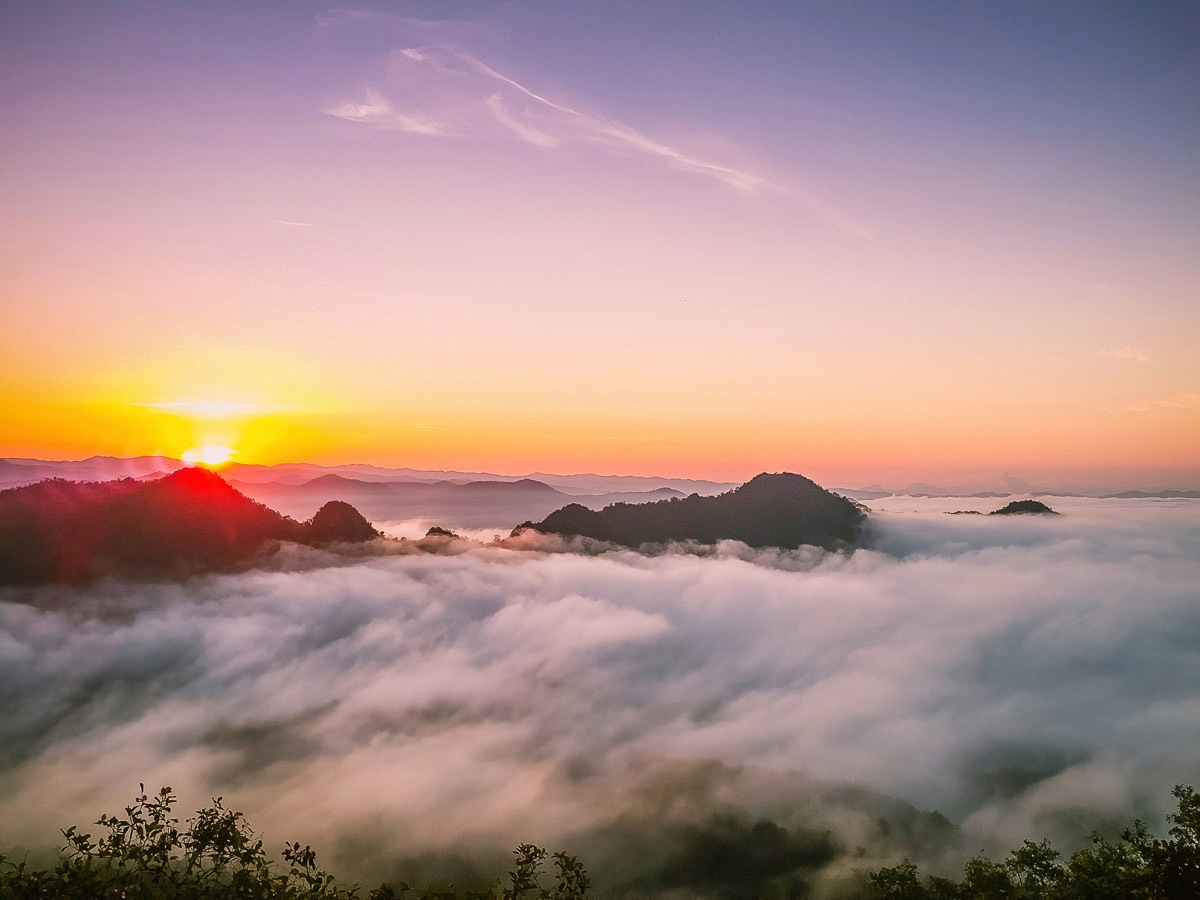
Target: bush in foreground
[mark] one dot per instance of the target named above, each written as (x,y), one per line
(1135,866)
(147,856)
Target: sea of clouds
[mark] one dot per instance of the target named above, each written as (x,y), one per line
(413,714)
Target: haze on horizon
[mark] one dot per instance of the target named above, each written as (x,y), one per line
(673,239)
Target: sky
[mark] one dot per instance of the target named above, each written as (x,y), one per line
(690,239)
(1025,677)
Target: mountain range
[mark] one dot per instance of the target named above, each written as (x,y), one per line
(15,472)
(455,499)
(593,491)
(193,521)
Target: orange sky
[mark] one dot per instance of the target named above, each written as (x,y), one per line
(497,252)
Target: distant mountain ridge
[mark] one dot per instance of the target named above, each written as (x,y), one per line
(475,504)
(771,510)
(187,522)
(1158,495)
(15,472)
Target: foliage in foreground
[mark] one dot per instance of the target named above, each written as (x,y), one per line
(147,855)
(1136,866)
(217,856)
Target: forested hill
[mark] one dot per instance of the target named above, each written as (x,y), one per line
(187,522)
(781,510)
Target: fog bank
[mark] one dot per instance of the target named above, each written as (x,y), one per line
(1026,677)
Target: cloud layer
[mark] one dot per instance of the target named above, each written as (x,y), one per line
(1025,678)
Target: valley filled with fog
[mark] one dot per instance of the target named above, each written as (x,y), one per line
(418,715)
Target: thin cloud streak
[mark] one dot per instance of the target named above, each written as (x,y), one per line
(627,138)
(439,89)
(377,112)
(1132,354)
(1187,401)
(204,408)
(533,136)
(218,409)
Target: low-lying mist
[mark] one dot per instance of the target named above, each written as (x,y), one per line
(414,714)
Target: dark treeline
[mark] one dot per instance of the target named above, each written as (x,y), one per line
(1024,507)
(148,855)
(1136,866)
(781,510)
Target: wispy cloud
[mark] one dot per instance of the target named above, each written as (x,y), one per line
(376,111)
(216,409)
(1186,401)
(294,224)
(622,137)
(204,408)
(1133,354)
(436,88)
(495,103)
(470,94)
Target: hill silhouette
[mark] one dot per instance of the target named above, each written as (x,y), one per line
(187,522)
(780,510)
(1024,507)
(337,521)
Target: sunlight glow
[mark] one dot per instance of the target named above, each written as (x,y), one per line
(208,455)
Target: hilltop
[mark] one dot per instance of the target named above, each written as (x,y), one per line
(189,521)
(1024,508)
(771,510)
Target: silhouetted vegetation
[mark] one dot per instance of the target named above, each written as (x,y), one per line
(731,860)
(1024,507)
(782,510)
(339,521)
(147,854)
(1135,866)
(215,855)
(187,522)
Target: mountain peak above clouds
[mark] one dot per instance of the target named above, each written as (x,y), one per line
(770,510)
(187,522)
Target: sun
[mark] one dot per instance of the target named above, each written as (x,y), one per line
(208,455)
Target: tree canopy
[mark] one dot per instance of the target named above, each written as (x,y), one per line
(1136,865)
